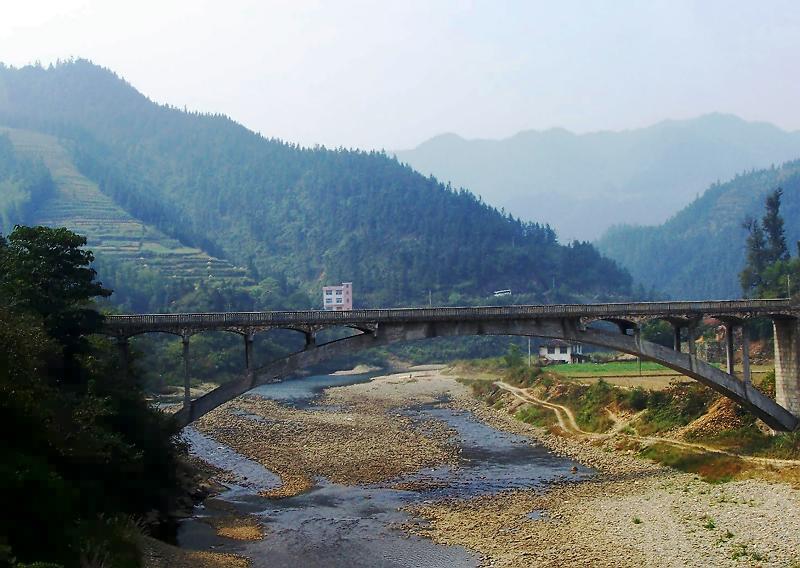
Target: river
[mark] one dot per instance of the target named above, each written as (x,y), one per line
(335,525)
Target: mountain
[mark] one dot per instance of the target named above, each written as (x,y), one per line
(155,185)
(699,252)
(24,184)
(77,202)
(583,184)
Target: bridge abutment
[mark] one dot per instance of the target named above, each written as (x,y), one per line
(787,363)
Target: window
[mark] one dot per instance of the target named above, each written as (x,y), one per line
(328,300)
(329,292)
(551,350)
(338,292)
(338,300)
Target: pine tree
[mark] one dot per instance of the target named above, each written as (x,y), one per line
(750,277)
(772,224)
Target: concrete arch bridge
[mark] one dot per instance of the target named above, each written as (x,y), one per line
(570,322)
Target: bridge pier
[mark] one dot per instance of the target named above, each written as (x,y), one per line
(248,355)
(676,336)
(729,350)
(745,356)
(691,331)
(187,397)
(311,340)
(787,363)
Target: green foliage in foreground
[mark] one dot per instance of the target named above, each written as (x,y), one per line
(82,453)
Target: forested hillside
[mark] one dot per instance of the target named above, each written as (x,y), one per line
(296,217)
(584,183)
(24,185)
(700,252)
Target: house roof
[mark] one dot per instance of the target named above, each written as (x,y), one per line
(557,343)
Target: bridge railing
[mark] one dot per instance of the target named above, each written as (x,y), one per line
(352,317)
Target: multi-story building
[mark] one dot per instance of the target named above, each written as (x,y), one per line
(338,298)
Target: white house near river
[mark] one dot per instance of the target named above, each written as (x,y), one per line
(558,351)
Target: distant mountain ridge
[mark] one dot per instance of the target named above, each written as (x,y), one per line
(699,252)
(581,184)
(293,217)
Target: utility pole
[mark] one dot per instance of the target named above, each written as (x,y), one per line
(529,351)
(430,298)
(788,286)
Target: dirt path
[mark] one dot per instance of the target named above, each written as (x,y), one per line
(621,423)
(565,417)
(566,420)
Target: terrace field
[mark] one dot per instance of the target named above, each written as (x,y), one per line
(112,233)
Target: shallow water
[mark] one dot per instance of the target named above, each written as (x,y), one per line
(301,392)
(344,526)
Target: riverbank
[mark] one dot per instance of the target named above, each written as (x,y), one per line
(633,512)
(157,554)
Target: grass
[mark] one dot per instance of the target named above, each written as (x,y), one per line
(674,407)
(536,415)
(712,468)
(752,441)
(742,551)
(660,412)
(588,403)
(613,369)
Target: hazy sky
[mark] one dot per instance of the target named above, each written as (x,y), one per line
(392,74)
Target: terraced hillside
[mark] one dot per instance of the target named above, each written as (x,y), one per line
(112,233)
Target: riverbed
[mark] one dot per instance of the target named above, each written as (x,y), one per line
(329,466)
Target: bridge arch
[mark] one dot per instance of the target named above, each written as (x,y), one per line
(570,329)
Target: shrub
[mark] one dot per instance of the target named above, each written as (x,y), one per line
(634,399)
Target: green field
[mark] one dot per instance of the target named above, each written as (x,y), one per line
(614,369)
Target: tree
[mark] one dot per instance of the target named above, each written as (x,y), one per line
(84,450)
(513,358)
(772,224)
(45,271)
(751,275)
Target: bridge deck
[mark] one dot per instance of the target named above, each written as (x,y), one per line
(123,324)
